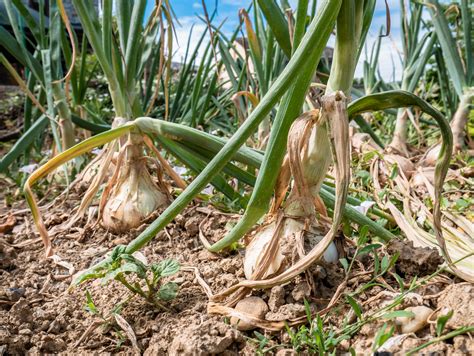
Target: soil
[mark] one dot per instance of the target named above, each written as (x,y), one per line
(39,314)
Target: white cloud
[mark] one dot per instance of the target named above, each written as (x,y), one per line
(190,26)
(389,63)
(197,5)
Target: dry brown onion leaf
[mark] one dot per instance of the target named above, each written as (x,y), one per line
(452,243)
(457,245)
(281,185)
(125,326)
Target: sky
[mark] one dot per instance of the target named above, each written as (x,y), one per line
(187,12)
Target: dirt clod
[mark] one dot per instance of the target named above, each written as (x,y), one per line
(287,311)
(277,298)
(209,338)
(301,292)
(463,344)
(7,256)
(459,298)
(414,261)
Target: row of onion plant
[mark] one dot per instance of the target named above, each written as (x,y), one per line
(315,139)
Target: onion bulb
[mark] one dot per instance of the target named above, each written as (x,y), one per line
(289,238)
(134,195)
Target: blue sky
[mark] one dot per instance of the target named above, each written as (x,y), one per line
(188,10)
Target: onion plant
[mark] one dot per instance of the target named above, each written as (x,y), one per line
(127,52)
(314,139)
(55,73)
(309,162)
(417,50)
(458,56)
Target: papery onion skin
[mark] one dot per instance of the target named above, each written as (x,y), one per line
(134,197)
(287,240)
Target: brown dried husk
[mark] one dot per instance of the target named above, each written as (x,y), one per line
(294,238)
(287,231)
(457,231)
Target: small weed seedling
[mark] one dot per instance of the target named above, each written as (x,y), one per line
(147,278)
(383,334)
(314,338)
(106,320)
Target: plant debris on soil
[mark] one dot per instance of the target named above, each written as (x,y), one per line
(39,314)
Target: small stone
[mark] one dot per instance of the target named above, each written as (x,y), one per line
(416,323)
(253,306)
(14,294)
(25,332)
(120,241)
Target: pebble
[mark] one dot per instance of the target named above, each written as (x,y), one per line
(14,294)
(413,324)
(25,332)
(253,306)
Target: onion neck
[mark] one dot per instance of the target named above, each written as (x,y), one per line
(317,159)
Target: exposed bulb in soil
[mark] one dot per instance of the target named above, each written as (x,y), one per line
(286,250)
(286,237)
(253,306)
(134,196)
